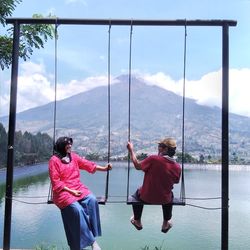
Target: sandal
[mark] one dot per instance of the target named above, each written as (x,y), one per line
(133,222)
(166,229)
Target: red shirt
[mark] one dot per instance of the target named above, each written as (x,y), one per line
(63,174)
(161,172)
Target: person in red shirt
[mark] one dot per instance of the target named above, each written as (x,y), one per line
(79,207)
(161,172)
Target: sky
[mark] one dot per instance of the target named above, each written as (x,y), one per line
(157,53)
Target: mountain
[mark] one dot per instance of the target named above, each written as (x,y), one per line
(155,113)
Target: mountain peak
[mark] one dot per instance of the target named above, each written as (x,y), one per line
(135,79)
(154,114)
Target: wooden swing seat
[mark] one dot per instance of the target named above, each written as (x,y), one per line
(133,201)
(100,199)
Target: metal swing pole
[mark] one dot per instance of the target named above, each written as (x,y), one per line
(11,137)
(225,146)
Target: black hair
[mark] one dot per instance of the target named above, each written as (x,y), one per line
(61,143)
(170,151)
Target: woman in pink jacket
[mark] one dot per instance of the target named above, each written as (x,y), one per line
(79,207)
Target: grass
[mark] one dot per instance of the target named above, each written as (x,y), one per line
(45,247)
(154,248)
(53,247)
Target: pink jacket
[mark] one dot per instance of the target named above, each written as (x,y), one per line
(62,174)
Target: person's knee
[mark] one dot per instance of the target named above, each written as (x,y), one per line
(92,199)
(72,211)
(75,208)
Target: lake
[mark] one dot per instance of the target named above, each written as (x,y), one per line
(193,228)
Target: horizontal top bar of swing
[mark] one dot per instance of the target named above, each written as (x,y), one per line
(134,22)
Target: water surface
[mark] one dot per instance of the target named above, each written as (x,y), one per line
(194,228)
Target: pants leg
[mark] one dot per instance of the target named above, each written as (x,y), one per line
(91,207)
(137,210)
(167,211)
(77,228)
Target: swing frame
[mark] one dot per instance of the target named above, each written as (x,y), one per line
(225,24)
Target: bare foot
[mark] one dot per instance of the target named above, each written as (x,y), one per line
(136,223)
(166,226)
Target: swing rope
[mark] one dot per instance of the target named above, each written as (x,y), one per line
(109,112)
(50,195)
(55,84)
(182,191)
(129,104)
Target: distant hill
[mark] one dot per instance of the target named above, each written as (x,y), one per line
(155,113)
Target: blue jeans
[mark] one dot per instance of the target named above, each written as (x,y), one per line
(81,222)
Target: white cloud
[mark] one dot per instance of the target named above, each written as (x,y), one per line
(4,103)
(163,81)
(29,68)
(239,89)
(208,89)
(77,86)
(36,87)
(33,90)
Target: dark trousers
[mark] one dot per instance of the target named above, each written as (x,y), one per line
(138,208)
(166,210)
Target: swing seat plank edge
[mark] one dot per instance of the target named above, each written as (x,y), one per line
(176,201)
(100,199)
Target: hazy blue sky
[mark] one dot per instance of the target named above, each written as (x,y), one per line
(157,52)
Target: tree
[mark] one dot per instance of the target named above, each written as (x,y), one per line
(29,148)
(31,36)
(187,158)
(142,156)
(201,158)
(3,145)
(92,156)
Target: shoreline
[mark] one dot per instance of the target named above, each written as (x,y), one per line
(39,168)
(24,171)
